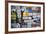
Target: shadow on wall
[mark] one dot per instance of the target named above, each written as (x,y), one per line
(15,33)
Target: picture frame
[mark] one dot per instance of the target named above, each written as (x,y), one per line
(22,29)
